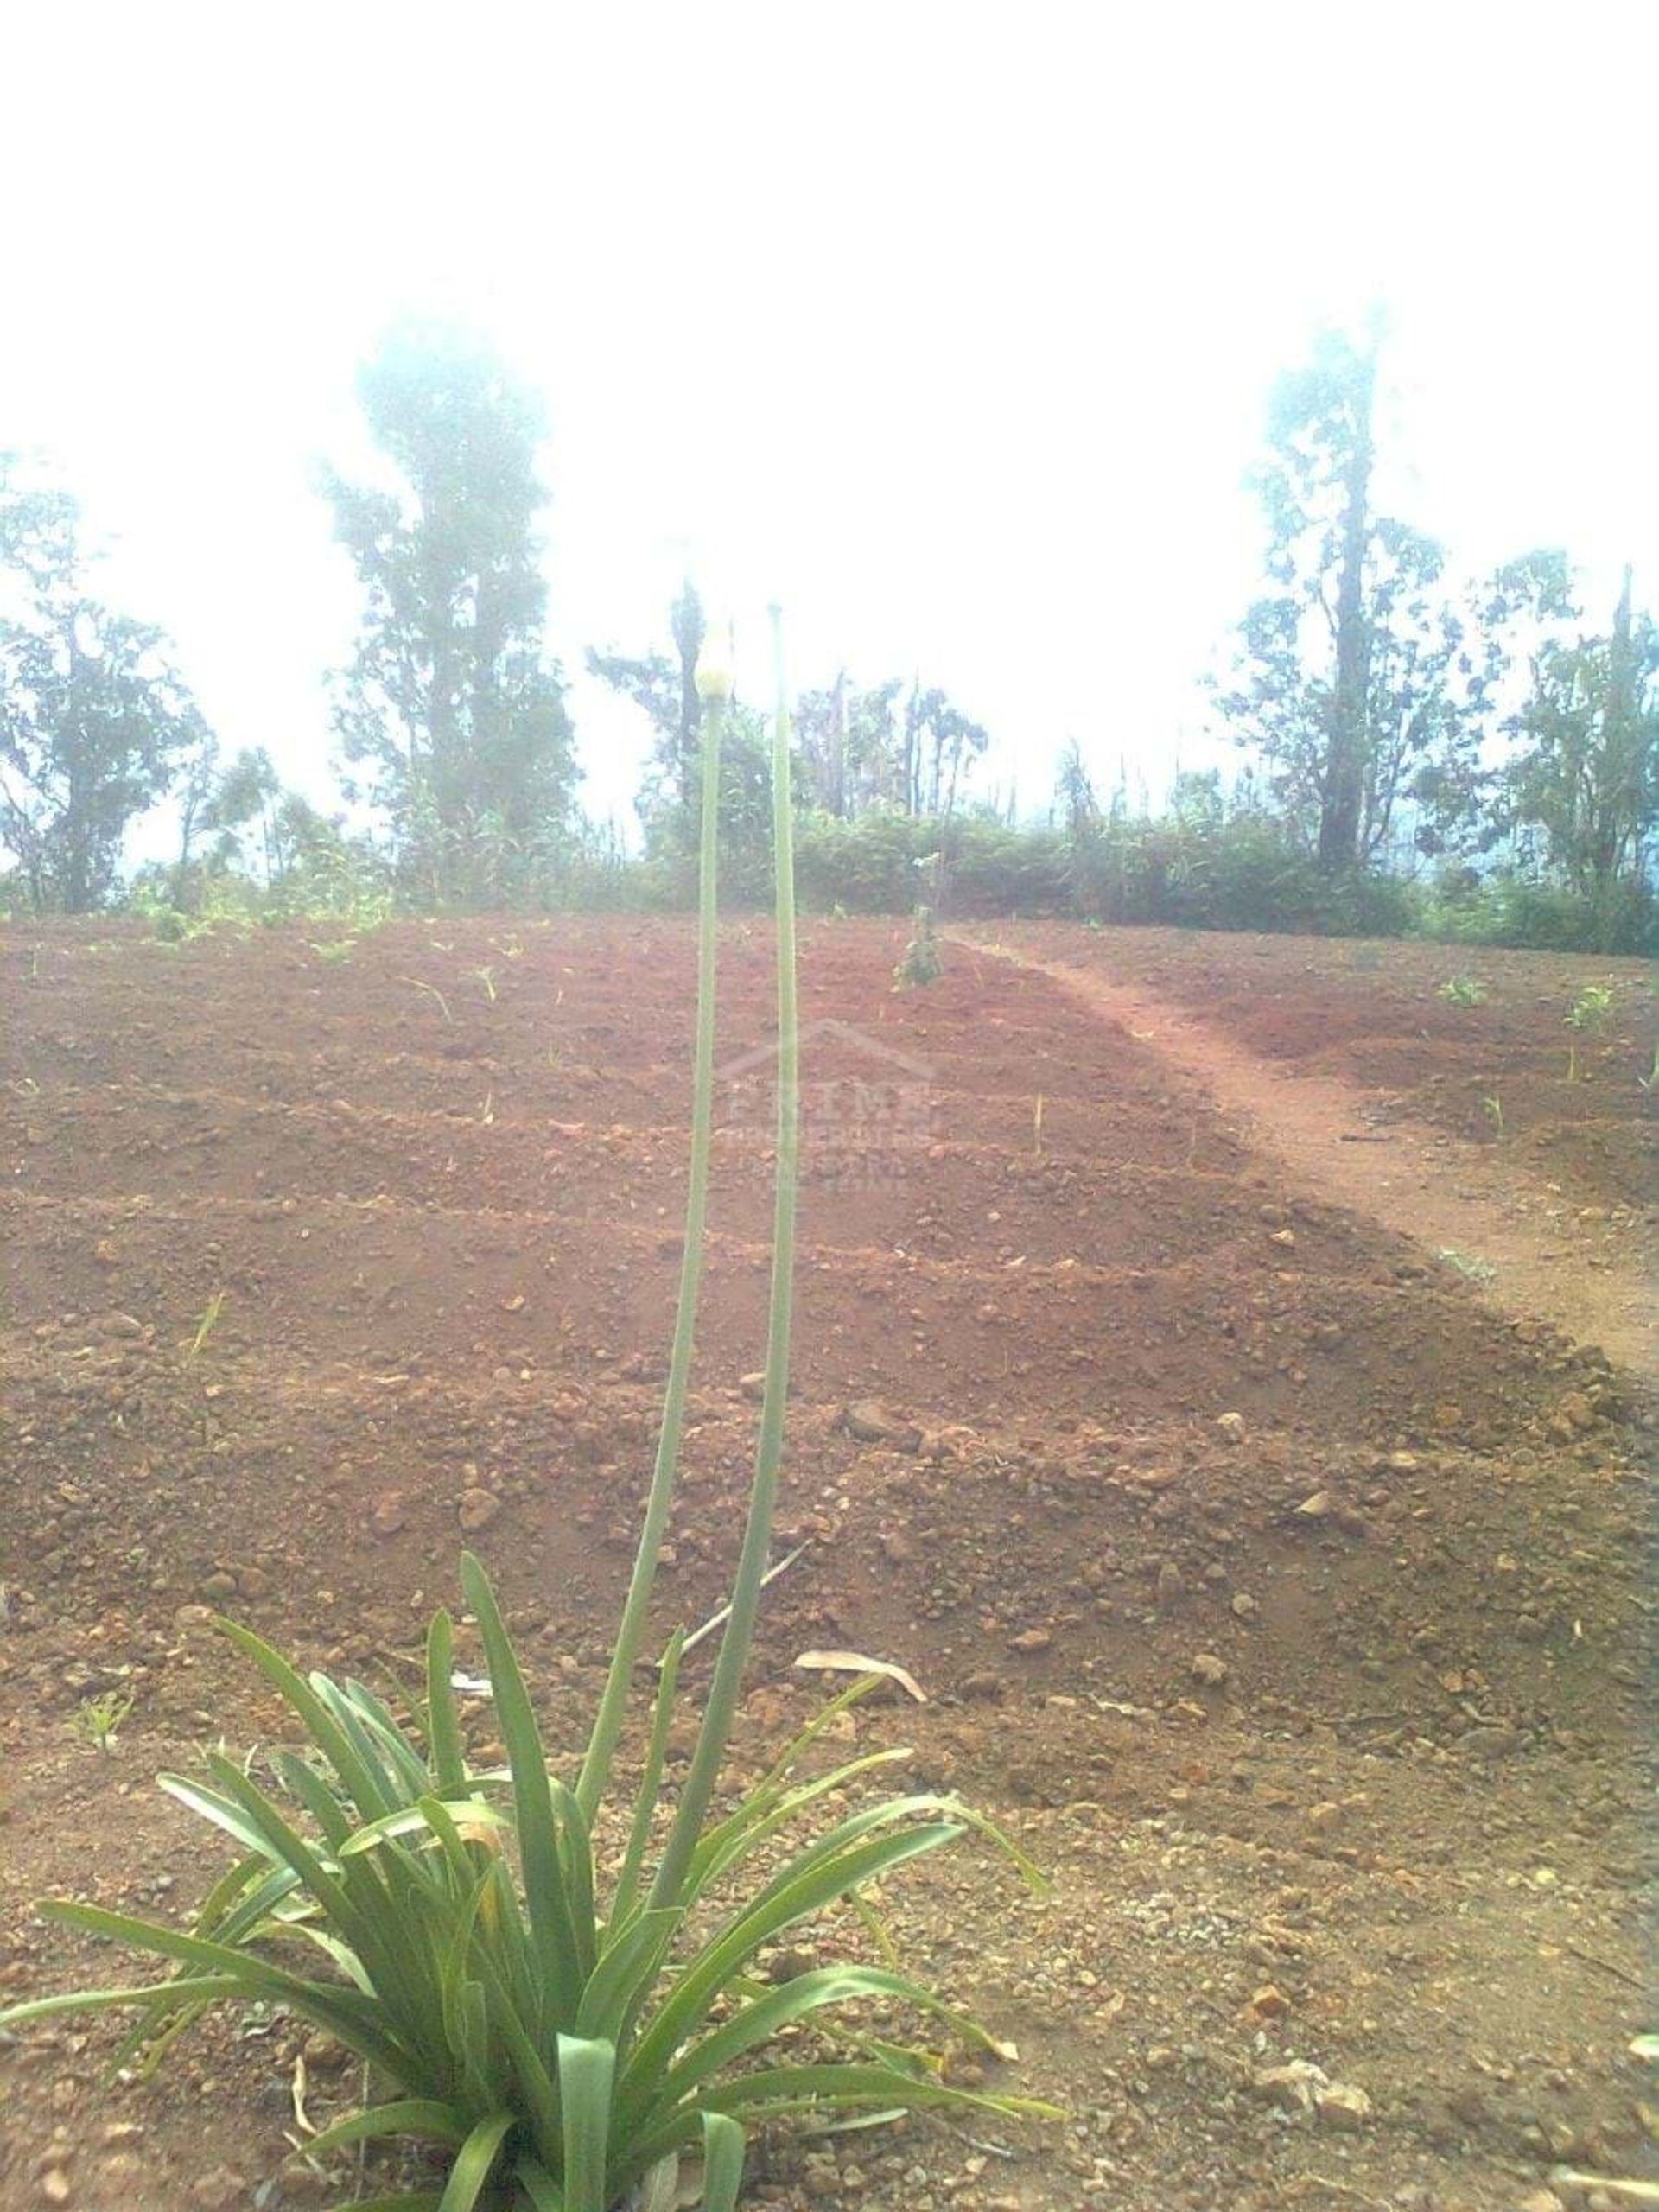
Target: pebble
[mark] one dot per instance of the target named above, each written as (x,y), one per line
(869,1422)
(217,2190)
(985,1686)
(388,1514)
(1205,1667)
(478,1508)
(1231,1425)
(1341,2107)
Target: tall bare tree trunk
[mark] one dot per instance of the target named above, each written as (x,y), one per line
(1342,802)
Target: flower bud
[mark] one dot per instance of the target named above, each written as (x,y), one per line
(714,671)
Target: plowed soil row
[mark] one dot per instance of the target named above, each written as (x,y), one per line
(1285,1596)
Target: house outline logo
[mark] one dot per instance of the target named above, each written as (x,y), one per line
(902,1067)
(859,1129)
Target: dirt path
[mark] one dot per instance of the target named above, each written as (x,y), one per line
(1445,1195)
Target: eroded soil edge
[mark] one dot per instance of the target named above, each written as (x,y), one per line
(1446,1197)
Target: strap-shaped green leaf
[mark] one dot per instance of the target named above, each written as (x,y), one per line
(757,2022)
(321,1725)
(539,2186)
(162,1996)
(722,2162)
(826,1877)
(475,2162)
(650,1783)
(355,2018)
(545,1894)
(627,1966)
(586,2076)
(421,2116)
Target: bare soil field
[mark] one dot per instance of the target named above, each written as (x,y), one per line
(1282,1586)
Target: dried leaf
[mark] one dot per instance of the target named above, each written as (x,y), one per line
(858,1663)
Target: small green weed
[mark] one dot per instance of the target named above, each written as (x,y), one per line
(1592,1009)
(1463,990)
(337,950)
(1467,1263)
(101,1720)
(1493,1109)
(206,1322)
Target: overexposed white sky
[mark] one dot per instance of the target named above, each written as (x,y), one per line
(949,325)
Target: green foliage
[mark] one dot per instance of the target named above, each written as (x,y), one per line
(206,1321)
(1468,1264)
(452,706)
(1463,990)
(1360,678)
(1511,910)
(94,721)
(922,962)
(545,2035)
(1249,873)
(101,1720)
(1592,1009)
(565,2027)
(1586,772)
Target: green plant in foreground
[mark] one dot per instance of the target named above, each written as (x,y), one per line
(101,1720)
(1463,990)
(1493,1109)
(1651,1081)
(578,2031)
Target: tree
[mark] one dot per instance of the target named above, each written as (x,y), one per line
(1362,679)
(851,748)
(452,702)
(1586,770)
(670,802)
(228,803)
(863,754)
(1075,800)
(94,718)
(941,744)
(666,690)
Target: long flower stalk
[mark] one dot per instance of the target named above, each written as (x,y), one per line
(714,687)
(723,1692)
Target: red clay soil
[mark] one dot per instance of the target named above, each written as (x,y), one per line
(1282,1592)
(1456,1123)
